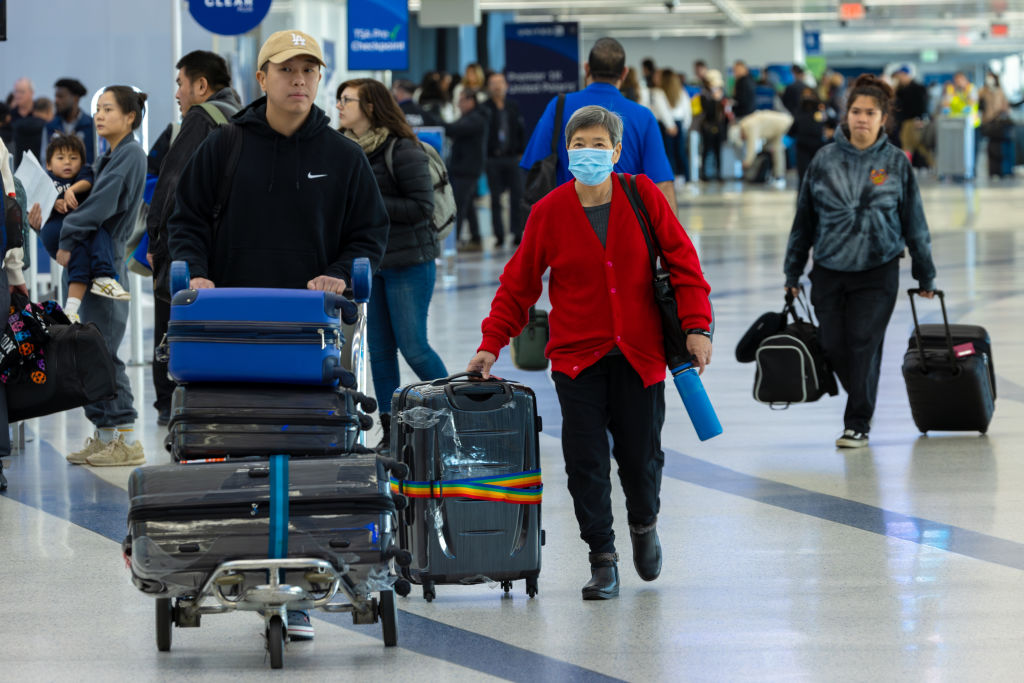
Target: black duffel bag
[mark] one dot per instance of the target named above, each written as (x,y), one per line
(77,370)
(791,366)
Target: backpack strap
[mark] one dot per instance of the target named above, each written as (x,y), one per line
(556,132)
(232,139)
(214,112)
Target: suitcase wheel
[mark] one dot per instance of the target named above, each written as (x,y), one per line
(506,586)
(361,278)
(531,586)
(428,591)
(275,641)
(387,609)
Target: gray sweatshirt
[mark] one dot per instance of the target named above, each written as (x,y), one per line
(113,203)
(859,209)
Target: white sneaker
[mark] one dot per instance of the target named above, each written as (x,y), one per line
(92,446)
(110,288)
(118,454)
(852,439)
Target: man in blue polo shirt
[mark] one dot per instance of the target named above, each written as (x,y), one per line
(643,150)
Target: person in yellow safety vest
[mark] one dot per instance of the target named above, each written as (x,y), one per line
(961,99)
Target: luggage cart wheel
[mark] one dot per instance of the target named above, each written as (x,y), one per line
(179,277)
(388,611)
(361,279)
(531,586)
(428,591)
(275,641)
(164,615)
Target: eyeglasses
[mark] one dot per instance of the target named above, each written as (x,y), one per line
(345,100)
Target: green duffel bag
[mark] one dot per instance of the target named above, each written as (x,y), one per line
(528,347)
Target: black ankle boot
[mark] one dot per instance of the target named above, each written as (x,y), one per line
(385,439)
(604,577)
(646,551)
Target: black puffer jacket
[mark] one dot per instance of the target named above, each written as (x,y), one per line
(409,200)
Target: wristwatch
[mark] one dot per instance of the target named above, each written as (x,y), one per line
(697,330)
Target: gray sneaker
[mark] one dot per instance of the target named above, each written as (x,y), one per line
(118,454)
(92,446)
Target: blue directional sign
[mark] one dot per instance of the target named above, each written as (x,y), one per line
(228,17)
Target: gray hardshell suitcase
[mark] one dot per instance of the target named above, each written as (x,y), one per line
(186,520)
(452,430)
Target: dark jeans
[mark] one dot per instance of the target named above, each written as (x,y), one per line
(853,311)
(464,189)
(609,396)
(677,150)
(503,173)
(91,259)
(163,384)
(397,321)
(711,146)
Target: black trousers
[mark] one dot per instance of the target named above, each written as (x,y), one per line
(853,311)
(504,174)
(609,396)
(163,384)
(464,189)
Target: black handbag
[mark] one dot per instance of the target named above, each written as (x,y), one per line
(543,175)
(76,370)
(768,324)
(676,353)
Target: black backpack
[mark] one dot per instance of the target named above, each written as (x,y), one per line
(791,367)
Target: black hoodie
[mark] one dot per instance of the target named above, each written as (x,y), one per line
(299,207)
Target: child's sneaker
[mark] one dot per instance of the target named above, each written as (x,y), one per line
(74,317)
(118,454)
(110,288)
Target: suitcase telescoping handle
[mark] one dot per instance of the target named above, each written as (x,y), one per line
(945,323)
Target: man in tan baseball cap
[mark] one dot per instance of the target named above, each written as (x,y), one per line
(283,45)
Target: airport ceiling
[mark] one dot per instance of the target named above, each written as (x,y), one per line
(888,26)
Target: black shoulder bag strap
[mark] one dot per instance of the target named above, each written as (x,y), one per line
(642,217)
(232,144)
(556,132)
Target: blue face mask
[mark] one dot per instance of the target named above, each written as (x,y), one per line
(590,166)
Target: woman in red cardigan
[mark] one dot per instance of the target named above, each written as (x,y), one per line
(606,349)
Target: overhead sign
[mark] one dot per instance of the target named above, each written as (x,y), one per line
(378,35)
(541,61)
(812,42)
(228,17)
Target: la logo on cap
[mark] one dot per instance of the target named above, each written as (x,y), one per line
(298,40)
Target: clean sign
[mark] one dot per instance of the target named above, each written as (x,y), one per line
(228,17)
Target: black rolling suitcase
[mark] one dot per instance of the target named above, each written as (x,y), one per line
(933,336)
(185,520)
(474,486)
(241,420)
(949,385)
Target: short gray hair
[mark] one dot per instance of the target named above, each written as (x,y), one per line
(593,116)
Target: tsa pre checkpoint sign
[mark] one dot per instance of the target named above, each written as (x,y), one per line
(228,17)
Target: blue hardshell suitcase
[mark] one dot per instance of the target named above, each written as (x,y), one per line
(286,336)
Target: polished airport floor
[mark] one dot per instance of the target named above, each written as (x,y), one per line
(785,558)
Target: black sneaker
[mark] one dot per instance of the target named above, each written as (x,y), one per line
(299,625)
(163,416)
(852,439)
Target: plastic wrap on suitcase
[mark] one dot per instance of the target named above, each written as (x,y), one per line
(242,420)
(286,336)
(947,390)
(453,430)
(185,520)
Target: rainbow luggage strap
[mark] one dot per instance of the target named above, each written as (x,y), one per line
(524,488)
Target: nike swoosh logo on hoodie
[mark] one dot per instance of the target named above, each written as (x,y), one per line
(314,177)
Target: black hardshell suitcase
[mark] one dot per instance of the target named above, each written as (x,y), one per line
(947,392)
(241,420)
(452,429)
(933,336)
(185,520)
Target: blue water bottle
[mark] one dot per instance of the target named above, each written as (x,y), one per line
(695,398)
